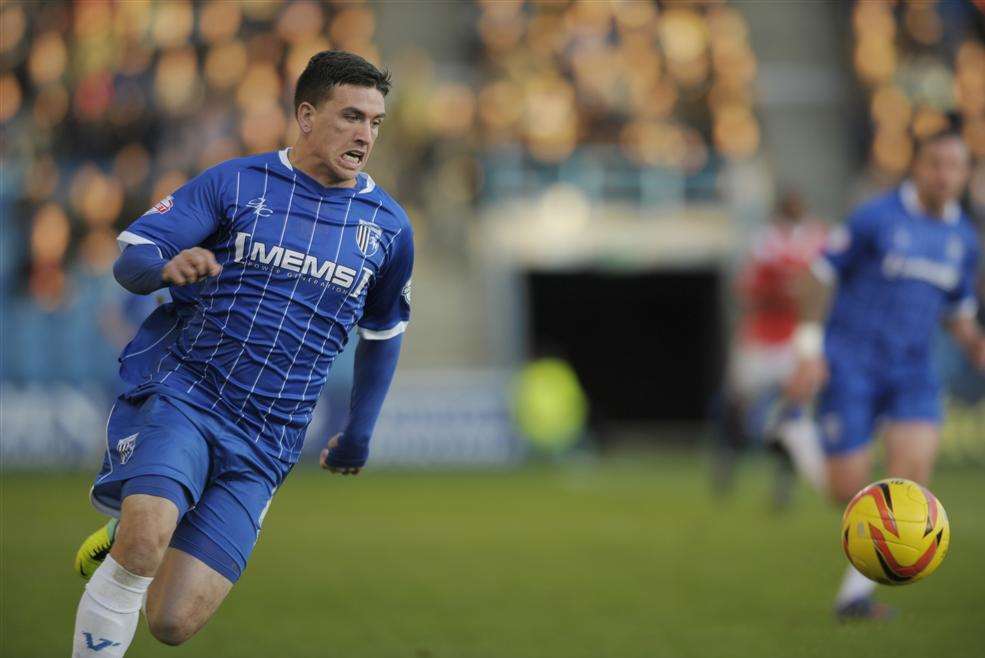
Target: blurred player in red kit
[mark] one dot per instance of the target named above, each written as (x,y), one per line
(763,354)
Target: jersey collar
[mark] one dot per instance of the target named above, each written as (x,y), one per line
(364,181)
(911,201)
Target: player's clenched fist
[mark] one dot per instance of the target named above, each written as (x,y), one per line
(189,266)
(323,460)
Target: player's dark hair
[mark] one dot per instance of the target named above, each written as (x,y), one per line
(331,68)
(951,130)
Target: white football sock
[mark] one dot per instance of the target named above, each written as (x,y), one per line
(108,612)
(854,586)
(799,437)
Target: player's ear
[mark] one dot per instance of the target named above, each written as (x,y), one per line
(305,116)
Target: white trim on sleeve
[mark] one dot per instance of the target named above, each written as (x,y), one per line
(824,271)
(385,334)
(967,308)
(127,238)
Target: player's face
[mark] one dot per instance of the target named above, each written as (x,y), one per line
(941,171)
(344,129)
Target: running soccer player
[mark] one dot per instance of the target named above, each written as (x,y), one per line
(762,352)
(903,262)
(272,260)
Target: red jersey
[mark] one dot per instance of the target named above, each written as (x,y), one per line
(779,256)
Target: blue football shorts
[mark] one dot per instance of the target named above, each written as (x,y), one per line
(227,480)
(858,396)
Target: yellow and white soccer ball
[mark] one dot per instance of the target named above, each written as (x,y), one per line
(895,532)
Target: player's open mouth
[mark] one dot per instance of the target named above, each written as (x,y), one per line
(353,158)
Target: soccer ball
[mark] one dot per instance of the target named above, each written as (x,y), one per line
(895,532)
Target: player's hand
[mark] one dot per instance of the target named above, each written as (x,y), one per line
(978,354)
(190,266)
(323,458)
(811,373)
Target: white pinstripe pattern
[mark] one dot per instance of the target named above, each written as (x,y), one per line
(263,293)
(280,325)
(307,327)
(232,238)
(335,319)
(239,284)
(211,299)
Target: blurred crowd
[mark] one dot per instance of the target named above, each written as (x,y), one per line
(919,65)
(669,84)
(107,106)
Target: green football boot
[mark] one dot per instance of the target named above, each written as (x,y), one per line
(94,549)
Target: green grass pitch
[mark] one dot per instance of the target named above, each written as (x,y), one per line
(625,557)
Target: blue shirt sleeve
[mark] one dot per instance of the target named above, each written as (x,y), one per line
(849,244)
(387,309)
(138,269)
(962,300)
(376,362)
(182,220)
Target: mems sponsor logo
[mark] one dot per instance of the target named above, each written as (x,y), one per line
(313,269)
(942,275)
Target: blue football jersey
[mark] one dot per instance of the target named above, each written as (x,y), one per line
(899,272)
(302,265)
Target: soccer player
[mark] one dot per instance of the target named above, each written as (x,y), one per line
(763,356)
(272,259)
(903,262)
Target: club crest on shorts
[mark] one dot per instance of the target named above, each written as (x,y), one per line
(368,238)
(124,447)
(162,206)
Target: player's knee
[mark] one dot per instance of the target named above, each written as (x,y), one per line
(168,627)
(140,548)
(841,491)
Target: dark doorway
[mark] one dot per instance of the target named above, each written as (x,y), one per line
(646,346)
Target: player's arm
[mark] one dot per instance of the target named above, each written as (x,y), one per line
(385,316)
(968,335)
(162,247)
(961,322)
(375,364)
(846,246)
(813,293)
(141,269)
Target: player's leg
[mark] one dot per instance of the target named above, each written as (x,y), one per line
(846,417)
(911,449)
(156,462)
(847,474)
(912,431)
(185,594)
(109,610)
(212,544)
(742,385)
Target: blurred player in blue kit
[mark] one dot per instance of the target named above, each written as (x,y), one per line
(903,263)
(271,261)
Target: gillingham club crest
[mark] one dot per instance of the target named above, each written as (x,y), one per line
(125,446)
(368,238)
